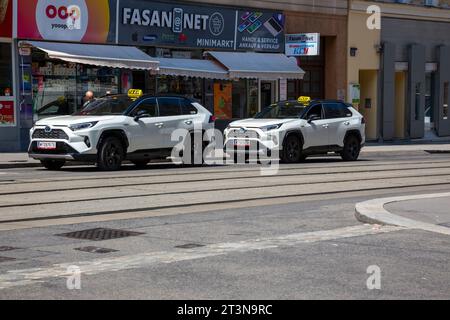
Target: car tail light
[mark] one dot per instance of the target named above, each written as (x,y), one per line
(212,119)
(363,120)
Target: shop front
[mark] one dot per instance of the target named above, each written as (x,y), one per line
(8,114)
(68,47)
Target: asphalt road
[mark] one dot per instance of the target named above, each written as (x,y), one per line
(222,232)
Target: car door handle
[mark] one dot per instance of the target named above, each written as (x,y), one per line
(159,125)
(325,126)
(189,122)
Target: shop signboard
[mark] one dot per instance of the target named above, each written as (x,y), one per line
(7,113)
(5,18)
(303,44)
(212,27)
(90,21)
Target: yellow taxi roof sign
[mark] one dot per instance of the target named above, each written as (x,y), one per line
(304,100)
(135,93)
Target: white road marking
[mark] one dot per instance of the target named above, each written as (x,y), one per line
(14,278)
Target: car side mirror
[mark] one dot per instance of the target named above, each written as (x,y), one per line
(313,118)
(140,115)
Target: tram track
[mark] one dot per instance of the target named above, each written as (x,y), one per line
(212,189)
(150,209)
(208,180)
(227,169)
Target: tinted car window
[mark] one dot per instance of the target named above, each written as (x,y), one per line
(188,108)
(169,107)
(316,111)
(336,110)
(112,105)
(148,106)
(282,110)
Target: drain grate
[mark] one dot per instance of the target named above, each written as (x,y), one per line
(96,250)
(6,259)
(5,248)
(190,246)
(100,234)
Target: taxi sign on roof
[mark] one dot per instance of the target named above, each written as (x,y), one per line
(135,93)
(304,100)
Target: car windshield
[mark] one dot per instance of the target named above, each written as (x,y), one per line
(282,110)
(106,106)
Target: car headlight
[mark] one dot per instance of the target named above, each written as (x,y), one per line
(82,126)
(272,127)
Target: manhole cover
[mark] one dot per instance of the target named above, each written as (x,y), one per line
(6,259)
(3,249)
(100,234)
(190,246)
(96,250)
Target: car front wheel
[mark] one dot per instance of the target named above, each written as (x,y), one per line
(352,148)
(53,164)
(292,150)
(111,154)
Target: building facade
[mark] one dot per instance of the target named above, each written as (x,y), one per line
(399,72)
(41,82)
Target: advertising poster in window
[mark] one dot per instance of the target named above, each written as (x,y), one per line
(7,114)
(5,18)
(223,101)
(89,21)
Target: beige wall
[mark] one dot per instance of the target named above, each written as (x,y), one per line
(334,28)
(369,90)
(400,104)
(363,68)
(359,36)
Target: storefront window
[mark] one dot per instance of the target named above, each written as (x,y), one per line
(6,88)
(252,103)
(185,86)
(59,87)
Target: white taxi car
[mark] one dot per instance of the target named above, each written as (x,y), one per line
(115,128)
(298,129)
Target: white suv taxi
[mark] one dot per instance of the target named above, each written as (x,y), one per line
(298,129)
(115,128)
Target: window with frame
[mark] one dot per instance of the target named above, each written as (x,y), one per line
(6,85)
(188,108)
(148,106)
(336,111)
(169,107)
(316,111)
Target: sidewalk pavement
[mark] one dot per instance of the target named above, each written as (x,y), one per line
(21,160)
(427,212)
(433,210)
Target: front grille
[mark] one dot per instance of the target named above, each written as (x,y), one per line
(238,134)
(55,134)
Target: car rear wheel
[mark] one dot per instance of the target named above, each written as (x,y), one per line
(53,164)
(111,154)
(292,150)
(352,149)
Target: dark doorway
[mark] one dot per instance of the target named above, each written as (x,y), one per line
(266,94)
